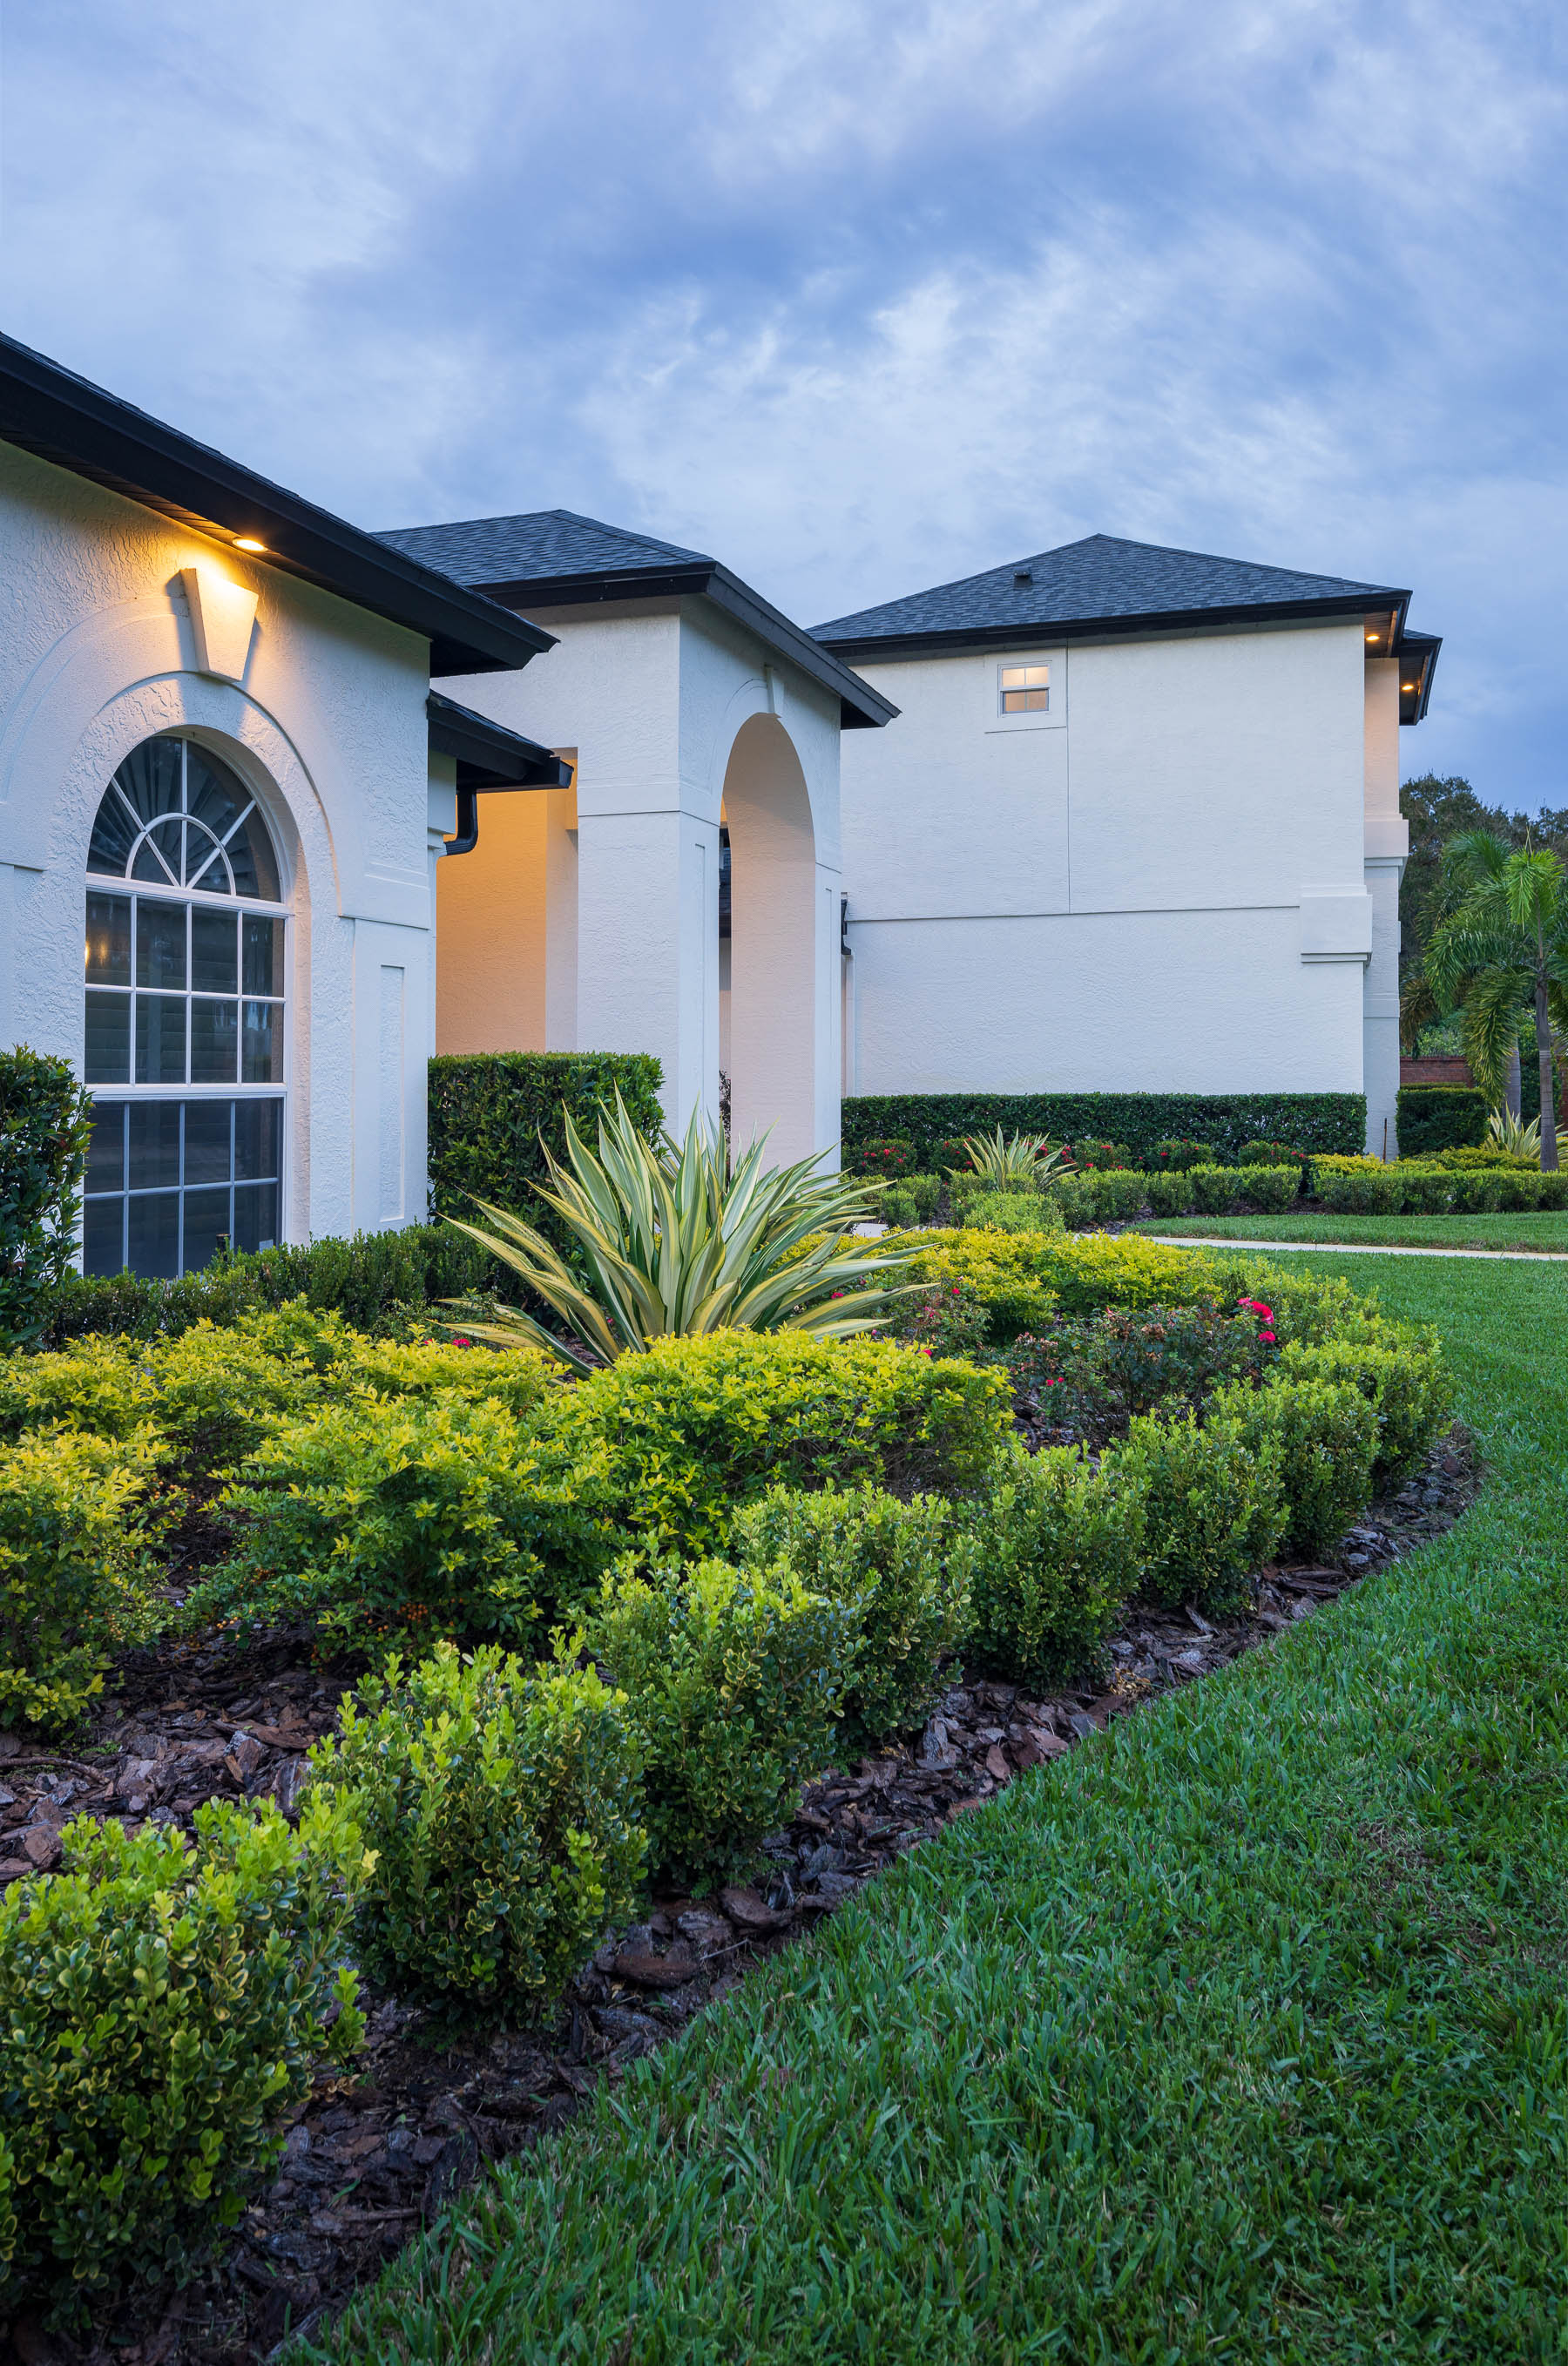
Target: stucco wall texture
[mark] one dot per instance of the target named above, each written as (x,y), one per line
(327,726)
(1183,876)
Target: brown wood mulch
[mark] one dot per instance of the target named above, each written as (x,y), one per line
(371,2158)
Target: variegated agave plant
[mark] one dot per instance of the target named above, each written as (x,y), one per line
(999,1158)
(673,1242)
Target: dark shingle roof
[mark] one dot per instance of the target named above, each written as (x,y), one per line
(1099,581)
(76,425)
(538,544)
(553,558)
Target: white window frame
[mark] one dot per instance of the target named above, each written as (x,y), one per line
(1053,716)
(278,1091)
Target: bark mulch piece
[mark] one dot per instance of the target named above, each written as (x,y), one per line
(370,2157)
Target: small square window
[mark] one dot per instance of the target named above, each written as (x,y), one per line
(1025,689)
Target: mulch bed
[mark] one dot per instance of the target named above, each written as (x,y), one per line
(371,2158)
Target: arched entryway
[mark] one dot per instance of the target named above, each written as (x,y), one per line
(773,1014)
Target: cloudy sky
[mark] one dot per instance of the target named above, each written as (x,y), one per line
(859,297)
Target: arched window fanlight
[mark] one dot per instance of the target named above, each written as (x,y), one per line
(184,1012)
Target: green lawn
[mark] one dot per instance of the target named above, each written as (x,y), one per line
(1538,1232)
(1237,2035)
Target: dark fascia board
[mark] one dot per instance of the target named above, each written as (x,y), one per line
(1418,650)
(75,425)
(489,756)
(860,706)
(1113,629)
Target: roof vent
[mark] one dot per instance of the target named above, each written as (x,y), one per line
(1021,580)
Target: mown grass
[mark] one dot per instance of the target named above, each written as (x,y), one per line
(1237,2035)
(1548,1231)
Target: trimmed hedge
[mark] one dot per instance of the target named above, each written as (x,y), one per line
(1438,1117)
(488,1110)
(377,1281)
(45,1119)
(1224,1121)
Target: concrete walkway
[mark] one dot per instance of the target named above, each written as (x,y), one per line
(1356,1248)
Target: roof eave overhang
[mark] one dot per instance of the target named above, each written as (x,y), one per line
(1417,656)
(1342,608)
(860,706)
(77,427)
(487,755)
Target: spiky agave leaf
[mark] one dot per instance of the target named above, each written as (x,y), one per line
(675,1243)
(1002,1157)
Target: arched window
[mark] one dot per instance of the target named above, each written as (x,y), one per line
(185,1035)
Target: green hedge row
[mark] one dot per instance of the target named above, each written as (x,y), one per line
(488,1110)
(377,1281)
(1307,1121)
(1439,1117)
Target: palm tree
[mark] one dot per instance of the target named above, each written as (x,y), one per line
(1503,941)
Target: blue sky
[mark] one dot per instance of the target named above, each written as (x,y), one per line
(860,297)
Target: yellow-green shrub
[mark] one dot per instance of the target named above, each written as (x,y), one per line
(1214,1509)
(1326,1436)
(75,1581)
(907,1567)
(429,1515)
(733,1679)
(696,1425)
(503,1809)
(1026,1278)
(104,1387)
(1013,1211)
(1059,1552)
(161,2008)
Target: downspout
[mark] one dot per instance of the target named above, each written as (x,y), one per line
(467,835)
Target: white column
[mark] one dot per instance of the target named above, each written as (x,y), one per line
(1380,1005)
(647,947)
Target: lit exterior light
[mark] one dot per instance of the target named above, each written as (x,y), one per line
(1408,685)
(248,542)
(1374,637)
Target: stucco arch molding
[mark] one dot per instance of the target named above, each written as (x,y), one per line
(113,680)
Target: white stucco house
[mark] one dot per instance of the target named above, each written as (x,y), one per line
(223,772)
(1135,825)
(702,730)
(1136,830)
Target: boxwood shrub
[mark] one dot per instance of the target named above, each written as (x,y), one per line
(1214,1506)
(733,1678)
(45,1119)
(1061,1548)
(1326,1435)
(905,1568)
(163,2005)
(503,1809)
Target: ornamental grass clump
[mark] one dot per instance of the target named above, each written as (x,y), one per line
(667,1239)
(163,2004)
(376,1520)
(1060,1548)
(733,1680)
(77,1576)
(503,1809)
(909,1569)
(1214,1509)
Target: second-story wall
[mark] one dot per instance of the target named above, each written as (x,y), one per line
(1157,884)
